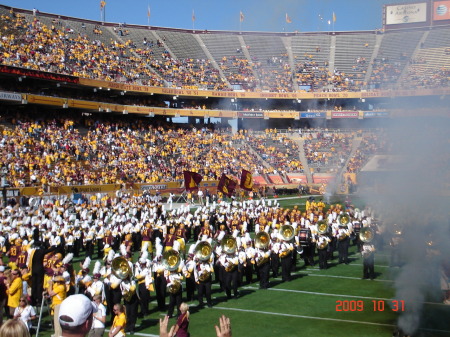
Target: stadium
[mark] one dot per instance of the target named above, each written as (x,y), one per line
(295,182)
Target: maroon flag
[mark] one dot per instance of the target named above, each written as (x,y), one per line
(226,185)
(191,180)
(246,180)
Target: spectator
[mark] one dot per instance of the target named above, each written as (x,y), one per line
(98,325)
(120,321)
(14,328)
(25,312)
(3,295)
(14,291)
(182,326)
(76,316)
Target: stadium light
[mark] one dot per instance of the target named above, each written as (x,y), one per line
(65,106)
(125,112)
(58,85)
(24,101)
(95,89)
(299,101)
(108,110)
(151,114)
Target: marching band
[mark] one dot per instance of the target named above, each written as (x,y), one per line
(174,250)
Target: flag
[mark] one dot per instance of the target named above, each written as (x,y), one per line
(193,16)
(334,17)
(241,16)
(148,11)
(246,180)
(226,185)
(102,4)
(191,180)
(288,19)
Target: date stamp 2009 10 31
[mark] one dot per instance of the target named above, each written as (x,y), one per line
(377,305)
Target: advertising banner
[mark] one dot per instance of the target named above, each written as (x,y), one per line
(406,13)
(9,96)
(250,114)
(344,114)
(374,114)
(441,10)
(312,115)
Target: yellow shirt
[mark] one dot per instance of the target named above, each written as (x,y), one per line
(14,293)
(60,290)
(120,320)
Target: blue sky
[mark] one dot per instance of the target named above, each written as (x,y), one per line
(259,15)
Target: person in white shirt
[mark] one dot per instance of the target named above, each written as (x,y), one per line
(98,324)
(25,312)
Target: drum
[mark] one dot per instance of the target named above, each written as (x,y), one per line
(304,236)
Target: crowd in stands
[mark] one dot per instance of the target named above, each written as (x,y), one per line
(327,150)
(372,143)
(29,43)
(418,78)
(48,152)
(279,151)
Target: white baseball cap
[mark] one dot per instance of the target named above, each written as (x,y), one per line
(75,310)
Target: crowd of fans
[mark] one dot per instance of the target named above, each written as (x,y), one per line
(372,143)
(66,151)
(27,42)
(327,151)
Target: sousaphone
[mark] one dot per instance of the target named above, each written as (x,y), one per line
(203,251)
(120,267)
(322,227)
(366,234)
(343,219)
(171,260)
(228,244)
(262,240)
(287,232)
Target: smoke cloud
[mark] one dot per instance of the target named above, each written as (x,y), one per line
(409,199)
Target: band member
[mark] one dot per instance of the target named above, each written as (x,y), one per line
(141,271)
(275,254)
(160,280)
(188,272)
(130,299)
(262,261)
(286,260)
(231,274)
(367,253)
(203,278)
(343,237)
(322,242)
(174,288)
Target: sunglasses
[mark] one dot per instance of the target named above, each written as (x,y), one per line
(22,301)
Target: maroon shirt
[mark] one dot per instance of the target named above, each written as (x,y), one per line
(183,325)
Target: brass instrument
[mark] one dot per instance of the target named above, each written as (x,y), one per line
(262,240)
(174,287)
(366,234)
(321,244)
(228,244)
(322,227)
(120,267)
(171,260)
(203,251)
(287,232)
(344,219)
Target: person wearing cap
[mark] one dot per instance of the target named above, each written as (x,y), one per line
(98,325)
(57,291)
(76,316)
